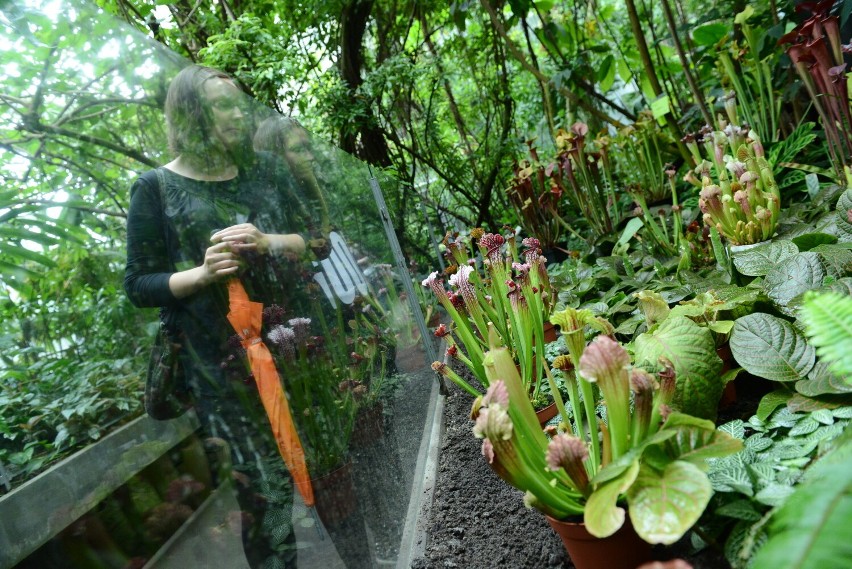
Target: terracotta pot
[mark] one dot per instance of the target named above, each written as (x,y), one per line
(622,550)
(369,426)
(550,332)
(334,495)
(546,414)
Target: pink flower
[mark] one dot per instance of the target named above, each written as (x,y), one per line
(301,327)
(497,394)
(284,339)
(493,423)
(492,242)
(461,281)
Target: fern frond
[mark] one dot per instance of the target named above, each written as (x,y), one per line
(828,324)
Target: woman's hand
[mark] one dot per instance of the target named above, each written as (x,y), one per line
(220,262)
(243,237)
(247,237)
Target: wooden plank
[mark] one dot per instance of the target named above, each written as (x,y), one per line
(42,507)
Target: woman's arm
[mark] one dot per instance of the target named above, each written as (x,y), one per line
(148,269)
(149,278)
(219,263)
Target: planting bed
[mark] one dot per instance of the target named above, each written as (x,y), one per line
(479,521)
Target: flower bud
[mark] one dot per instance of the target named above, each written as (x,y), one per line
(569,452)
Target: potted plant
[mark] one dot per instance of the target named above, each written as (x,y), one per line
(739,196)
(643,456)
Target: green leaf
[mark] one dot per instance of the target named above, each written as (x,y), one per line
(606,74)
(828,324)
(800,404)
(602,516)
(660,106)
(664,505)
(758,443)
(844,224)
(697,440)
(811,529)
(734,479)
(771,348)
(742,17)
(821,381)
(804,427)
(796,275)
(734,428)
(762,473)
(630,230)
(692,352)
(759,261)
(710,34)
(808,241)
(838,258)
(812,182)
(740,510)
(774,494)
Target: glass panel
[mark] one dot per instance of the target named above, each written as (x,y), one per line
(291,382)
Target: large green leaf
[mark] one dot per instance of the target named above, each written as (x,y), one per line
(837,258)
(771,348)
(828,321)
(697,439)
(821,381)
(811,529)
(759,261)
(709,34)
(844,223)
(663,505)
(692,351)
(808,241)
(800,273)
(602,516)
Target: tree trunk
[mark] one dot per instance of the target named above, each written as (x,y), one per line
(364,139)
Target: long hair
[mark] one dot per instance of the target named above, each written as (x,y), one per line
(188,122)
(273,132)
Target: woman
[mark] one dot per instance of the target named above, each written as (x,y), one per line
(287,138)
(218,210)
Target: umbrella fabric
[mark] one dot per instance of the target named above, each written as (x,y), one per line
(246,318)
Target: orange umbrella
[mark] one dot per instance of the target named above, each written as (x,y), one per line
(246,318)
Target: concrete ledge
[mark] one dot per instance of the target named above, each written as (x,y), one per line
(414,535)
(42,507)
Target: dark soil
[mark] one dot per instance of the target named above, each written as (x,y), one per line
(479,521)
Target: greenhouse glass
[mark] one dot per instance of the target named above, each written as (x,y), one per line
(140,189)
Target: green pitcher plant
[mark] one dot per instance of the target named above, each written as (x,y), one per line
(512,294)
(739,196)
(649,458)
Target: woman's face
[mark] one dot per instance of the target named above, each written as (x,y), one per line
(297,152)
(226,103)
